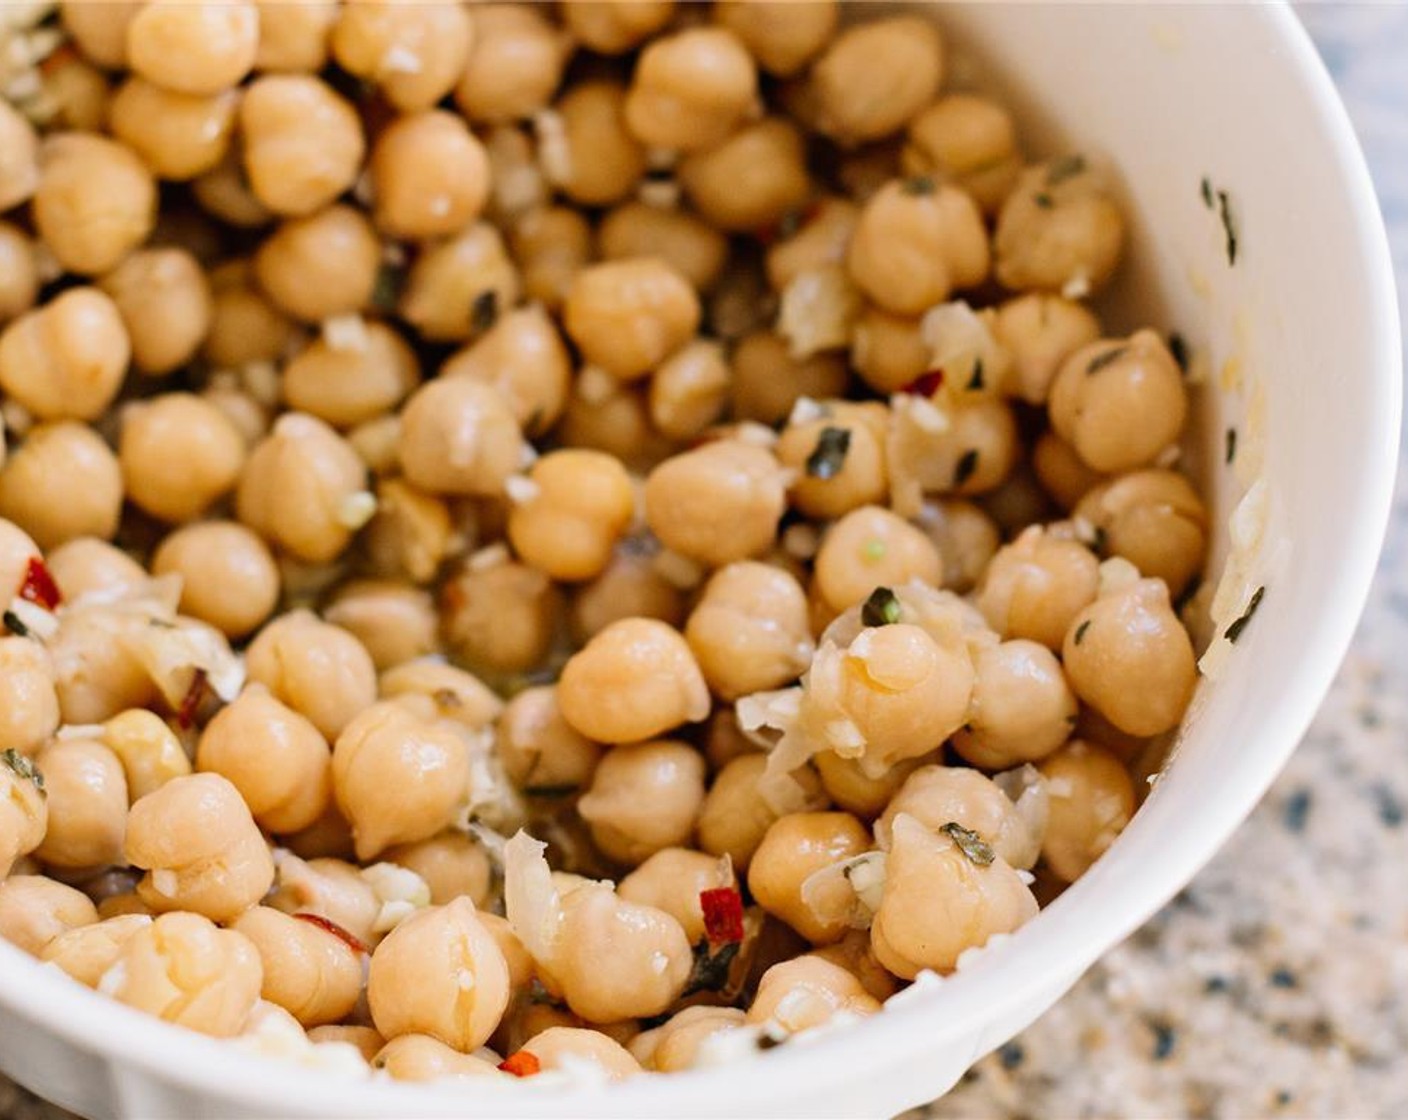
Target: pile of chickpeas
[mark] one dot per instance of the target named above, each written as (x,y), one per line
(565,537)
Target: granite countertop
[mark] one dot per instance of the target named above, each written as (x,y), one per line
(1277,983)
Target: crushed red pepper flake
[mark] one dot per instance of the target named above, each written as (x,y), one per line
(926,384)
(39,586)
(350,940)
(522,1064)
(723,914)
(190,703)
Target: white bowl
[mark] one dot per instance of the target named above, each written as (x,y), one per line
(1234,93)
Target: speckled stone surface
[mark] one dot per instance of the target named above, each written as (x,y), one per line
(1277,983)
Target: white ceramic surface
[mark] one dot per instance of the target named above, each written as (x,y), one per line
(1173,94)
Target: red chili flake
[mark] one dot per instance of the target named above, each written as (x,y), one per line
(926,384)
(352,942)
(186,713)
(39,586)
(723,914)
(61,56)
(522,1064)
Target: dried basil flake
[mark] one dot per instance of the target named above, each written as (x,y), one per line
(15,626)
(881,609)
(975,383)
(970,844)
(829,456)
(1234,631)
(1229,227)
(1206,188)
(1080,632)
(967,464)
(24,768)
(1044,200)
(1231,441)
(710,972)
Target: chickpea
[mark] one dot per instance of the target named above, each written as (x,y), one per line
(676,1044)
(308,971)
(24,810)
(627,316)
(551,245)
(35,910)
(1040,332)
(19,273)
(19,163)
(441,973)
(319,266)
(293,38)
(692,247)
(1058,227)
(273,756)
(970,141)
(320,671)
(735,816)
(149,751)
(165,303)
(296,487)
(100,30)
(409,534)
(86,952)
(750,630)
(348,387)
(805,992)
(875,77)
(1035,587)
(224,193)
(608,965)
(501,619)
(430,176)
(1129,658)
(615,420)
(515,64)
(87,564)
(418,1057)
(635,679)
(96,676)
(522,356)
(630,587)
(849,786)
(62,483)
(200,848)
(395,621)
(367,1041)
(671,880)
(196,48)
(839,459)
(65,360)
(581,504)
(819,239)
(1061,472)
(17,552)
(691,89)
(456,287)
(184,970)
(1119,404)
(537,747)
(1092,799)
(768,381)
(29,705)
(868,548)
(87,796)
(567,1047)
(915,243)
(643,798)
(601,160)
(613,26)
(244,326)
(1022,707)
(452,865)
(1155,520)
(794,847)
(77,91)
(228,576)
(751,180)
(967,538)
(458,436)
(331,889)
(690,390)
(717,503)
(458,696)
(178,428)
(782,37)
(414,52)
(303,144)
(854,954)
(178,135)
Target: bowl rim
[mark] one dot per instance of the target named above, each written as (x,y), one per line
(42,996)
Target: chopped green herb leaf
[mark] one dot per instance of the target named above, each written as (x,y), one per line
(970,844)
(710,972)
(874,550)
(1065,168)
(1207,192)
(1178,347)
(1234,631)
(1044,200)
(484,311)
(967,464)
(1100,361)
(919,185)
(975,383)
(1224,211)
(24,768)
(829,455)
(1231,444)
(881,609)
(1080,632)
(15,626)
